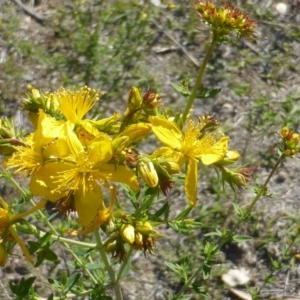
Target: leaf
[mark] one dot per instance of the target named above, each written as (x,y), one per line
(51,297)
(162,210)
(22,289)
(184,213)
(199,289)
(178,269)
(126,269)
(207,93)
(149,199)
(46,238)
(241,238)
(64,278)
(206,270)
(174,226)
(50,255)
(181,89)
(215,233)
(33,246)
(72,280)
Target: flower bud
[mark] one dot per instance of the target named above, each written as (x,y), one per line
(170,166)
(293,141)
(138,239)
(284,133)
(128,233)
(3,256)
(144,227)
(148,173)
(230,158)
(136,132)
(135,99)
(4,218)
(110,246)
(151,101)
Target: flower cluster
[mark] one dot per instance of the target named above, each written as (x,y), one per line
(290,141)
(73,160)
(139,234)
(225,19)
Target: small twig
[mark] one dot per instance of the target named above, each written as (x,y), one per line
(30,12)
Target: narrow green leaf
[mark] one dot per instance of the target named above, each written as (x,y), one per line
(162,210)
(184,213)
(22,289)
(181,89)
(46,238)
(50,255)
(197,287)
(241,238)
(126,269)
(72,280)
(207,93)
(51,297)
(206,271)
(64,278)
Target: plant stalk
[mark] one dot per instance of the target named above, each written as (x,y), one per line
(263,188)
(108,266)
(198,82)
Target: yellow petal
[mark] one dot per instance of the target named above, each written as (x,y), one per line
(191,181)
(88,203)
(167,132)
(165,152)
(42,182)
(121,174)
(216,152)
(136,132)
(47,130)
(74,105)
(100,150)
(4,218)
(21,244)
(108,125)
(88,126)
(68,142)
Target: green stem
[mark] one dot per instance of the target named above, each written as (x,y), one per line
(108,266)
(198,82)
(263,188)
(187,283)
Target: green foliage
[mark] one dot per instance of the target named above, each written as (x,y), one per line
(106,45)
(23,290)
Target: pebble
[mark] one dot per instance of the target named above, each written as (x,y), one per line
(282,8)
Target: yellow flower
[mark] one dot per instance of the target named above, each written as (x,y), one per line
(74,105)
(30,157)
(79,173)
(189,148)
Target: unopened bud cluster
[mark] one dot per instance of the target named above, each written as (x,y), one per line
(138,234)
(290,141)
